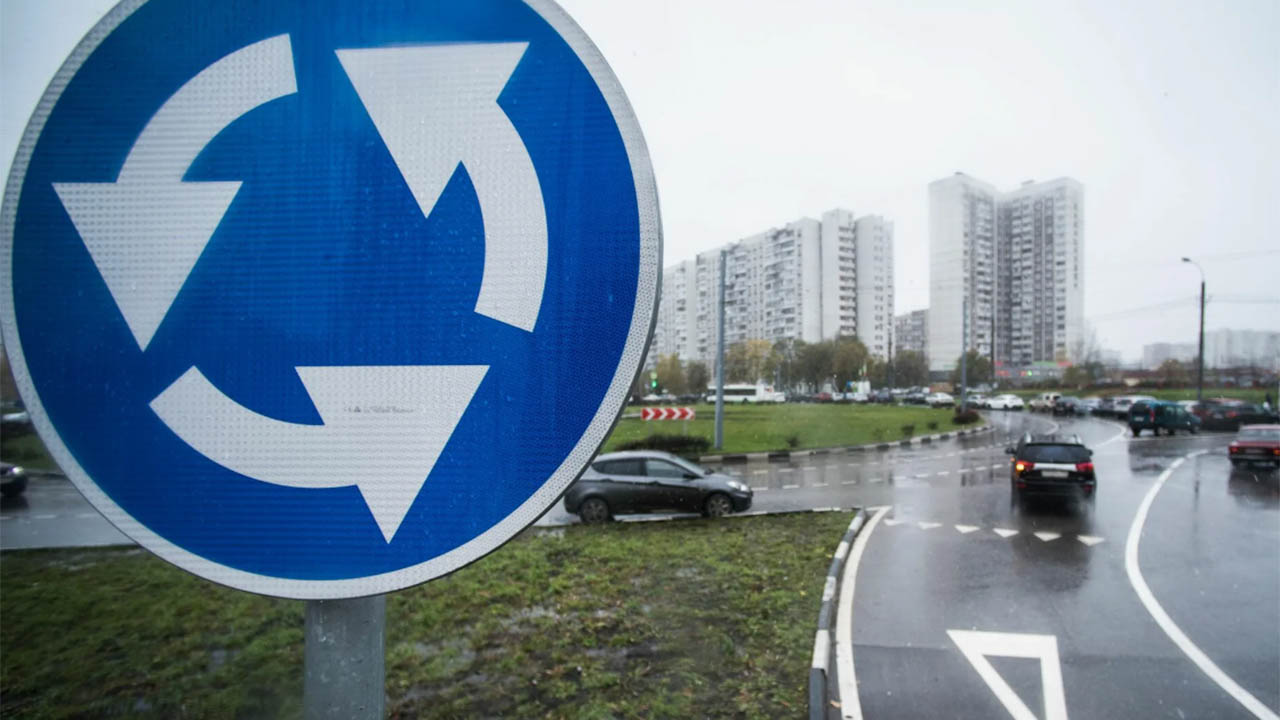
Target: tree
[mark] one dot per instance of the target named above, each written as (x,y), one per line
(878,372)
(736,364)
(814,363)
(747,361)
(910,368)
(1172,372)
(978,369)
(697,377)
(848,360)
(671,374)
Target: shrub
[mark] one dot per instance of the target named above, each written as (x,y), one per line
(965,417)
(675,444)
(933,424)
(793,441)
(908,430)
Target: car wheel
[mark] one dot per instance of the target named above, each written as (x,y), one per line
(594,510)
(1236,463)
(1135,430)
(718,505)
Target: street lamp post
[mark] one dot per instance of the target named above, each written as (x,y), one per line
(1200,365)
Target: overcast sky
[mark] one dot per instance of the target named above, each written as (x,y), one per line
(757,113)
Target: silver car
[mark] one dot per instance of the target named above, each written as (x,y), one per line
(642,481)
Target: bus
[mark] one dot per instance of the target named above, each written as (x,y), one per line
(747,394)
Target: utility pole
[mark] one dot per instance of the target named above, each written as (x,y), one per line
(964,348)
(1200,365)
(724,255)
(890,360)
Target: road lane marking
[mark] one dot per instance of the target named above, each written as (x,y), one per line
(944,472)
(763,488)
(893,521)
(782,470)
(997,466)
(849,482)
(851,707)
(1004,532)
(790,487)
(928,525)
(923,475)
(1166,623)
(820,484)
(876,480)
(811,469)
(854,465)
(966,529)
(977,645)
(44,517)
(1089,540)
(1047,536)
(964,470)
(759,472)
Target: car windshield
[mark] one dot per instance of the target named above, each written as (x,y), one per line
(1259,435)
(1054,453)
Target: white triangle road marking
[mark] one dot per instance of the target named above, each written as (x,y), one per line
(893,521)
(966,529)
(1004,532)
(928,525)
(1089,540)
(1047,536)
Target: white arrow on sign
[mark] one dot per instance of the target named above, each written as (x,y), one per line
(384,428)
(977,646)
(146,230)
(436,106)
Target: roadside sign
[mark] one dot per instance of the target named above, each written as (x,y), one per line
(289,286)
(670,413)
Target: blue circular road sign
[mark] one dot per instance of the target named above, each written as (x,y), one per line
(326,298)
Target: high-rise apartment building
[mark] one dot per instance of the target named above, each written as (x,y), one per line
(911,331)
(1016,259)
(809,280)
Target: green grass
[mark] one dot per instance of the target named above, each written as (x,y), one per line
(694,618)
(26,450)
(1251,395)
(757,428)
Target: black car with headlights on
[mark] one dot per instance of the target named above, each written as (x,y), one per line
(642,481)
(13,479)
(1051,465)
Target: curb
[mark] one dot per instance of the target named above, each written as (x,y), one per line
(788,454)
(822,638)
(673,517)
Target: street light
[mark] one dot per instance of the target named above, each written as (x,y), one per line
(1200,367)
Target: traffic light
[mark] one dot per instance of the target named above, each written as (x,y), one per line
(653,380)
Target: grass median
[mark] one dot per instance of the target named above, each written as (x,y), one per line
(794,426)
(696,618)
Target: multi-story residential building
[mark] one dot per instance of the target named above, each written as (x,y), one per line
(1227,348)
(808,280)
(911,331)
(1155,354)
(962,263)
(1015,260)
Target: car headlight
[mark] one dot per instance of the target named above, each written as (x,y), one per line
(740,487)
(16,470)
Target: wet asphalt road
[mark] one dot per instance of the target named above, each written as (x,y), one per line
(950,554)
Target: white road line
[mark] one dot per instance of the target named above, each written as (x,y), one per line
(854,465)
(1119,436)
(1004,532)
(849,482)
(86,516)
(876,480)
(820,484)
(782,470)
(848,683)
(1166,623)
(759,472)
(928,525)
(944,472)
(893,521)
(1089,540)
(1047,536)
(761,489)
(811,469)
(964,470)
(923,475)
(966,529)
(997,466)
(790,487)
(43,517)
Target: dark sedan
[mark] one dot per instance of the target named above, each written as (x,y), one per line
(642,481)
(1231,416)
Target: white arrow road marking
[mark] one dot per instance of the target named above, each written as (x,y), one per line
(1047,536)
(146,230)
(1004,532)
(436,106)
(966,529)
(384,429)
(1089,540)
(976,646)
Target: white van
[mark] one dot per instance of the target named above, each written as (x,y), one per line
(1044,402)
(746,394)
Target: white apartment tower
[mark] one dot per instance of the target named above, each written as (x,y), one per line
(808,280)
(1017,258)
(962,243)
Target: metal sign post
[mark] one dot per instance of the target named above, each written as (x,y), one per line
(345,659)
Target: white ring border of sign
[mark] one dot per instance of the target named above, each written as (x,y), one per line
(643,318)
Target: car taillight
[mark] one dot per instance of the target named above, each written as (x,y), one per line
(1084,467)
(1231,414)
(1022,465)
(1234,449)
(1275,451)
(1153,416)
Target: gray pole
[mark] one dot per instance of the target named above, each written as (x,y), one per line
(1200,369)
(345,659)
(964,348)
(720,360)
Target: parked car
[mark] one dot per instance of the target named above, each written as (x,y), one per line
(13,479)
(1043,402)
(915,397)
(642,481)
(1106,407)
(1233,416)
(882,396)
(1120,405)
(1051,464)
(1067,405)
(939,399)
(1256,444)
(1090,404)
(1005,402)
(1155,415)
